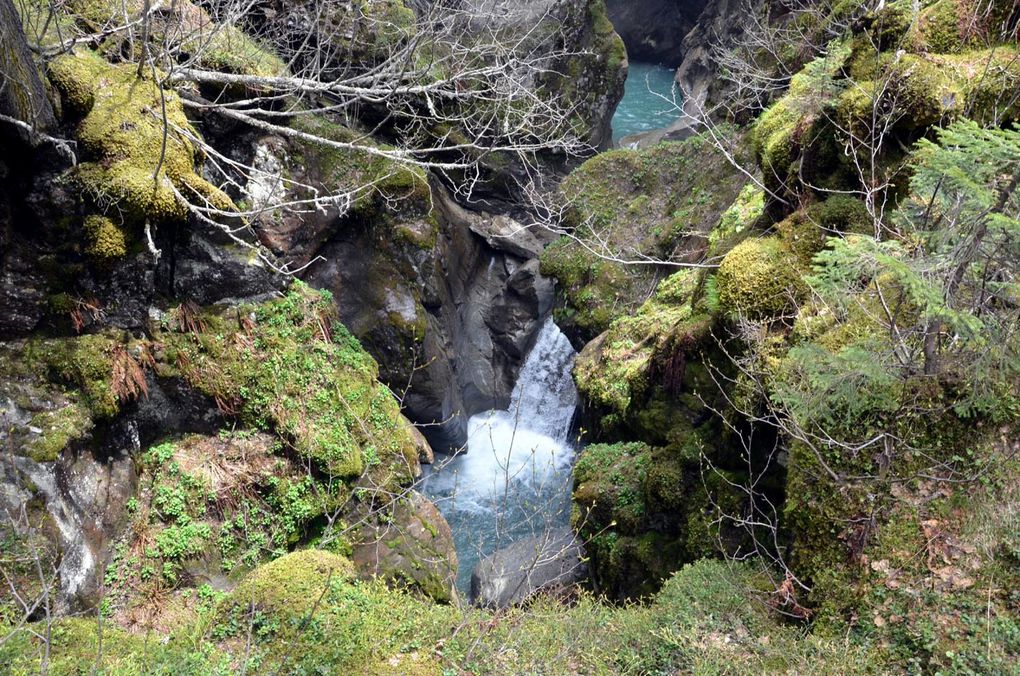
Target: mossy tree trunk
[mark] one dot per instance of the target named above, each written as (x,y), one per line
(22,93)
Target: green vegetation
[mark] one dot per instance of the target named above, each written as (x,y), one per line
(758,279)
(289,366)
(833,387)
(303,612)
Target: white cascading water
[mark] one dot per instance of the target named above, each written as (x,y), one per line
(514,480)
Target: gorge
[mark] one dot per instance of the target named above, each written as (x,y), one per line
(482,336)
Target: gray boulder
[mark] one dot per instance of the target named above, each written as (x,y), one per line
(514,574)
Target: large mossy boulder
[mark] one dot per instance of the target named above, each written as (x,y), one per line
(657,203)
(643,512)
(308,610)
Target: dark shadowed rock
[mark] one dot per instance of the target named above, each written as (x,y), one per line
(515,573)
(653,30)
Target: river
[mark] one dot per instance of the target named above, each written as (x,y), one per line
(650,101)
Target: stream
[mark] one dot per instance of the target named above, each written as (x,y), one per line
(514,481)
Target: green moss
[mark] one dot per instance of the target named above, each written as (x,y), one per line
(937,28)
(74,77)
(295,369)
(989,79)
(758,279)
(104,241)
(613,370)
(134,162)
(923,91)
(660,202)
(385,179)
(643,512)
(739,218)
(290,585)
(805,231)
(85,362)
(59,428)
(786,137)
(308,611)
(227,49)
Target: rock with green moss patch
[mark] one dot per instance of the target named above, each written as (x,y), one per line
(288,365)
(104,241)
(134,163)
(411,546)
(292,584)
(660,202)
(74,77)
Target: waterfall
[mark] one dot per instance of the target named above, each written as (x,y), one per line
(514,480)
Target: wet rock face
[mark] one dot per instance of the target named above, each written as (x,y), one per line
(447,300)
(84,506)
(654,30)
(414,549)
(514,574)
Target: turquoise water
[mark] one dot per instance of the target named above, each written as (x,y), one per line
(642,108)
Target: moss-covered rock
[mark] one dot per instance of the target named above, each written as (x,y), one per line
(659,202)
(614,369)
(291,585)
(410,545)
(104,240)
(138,167)
(287,364)
(643,513)
(74,77)
(758,279)
(308,611)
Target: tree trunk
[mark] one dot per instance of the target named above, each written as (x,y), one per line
(22,93)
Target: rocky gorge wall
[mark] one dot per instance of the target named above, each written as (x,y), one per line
(109,352)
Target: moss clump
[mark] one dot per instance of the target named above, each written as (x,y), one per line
(740,217)
(292,367)
(805,231)
(74,77)
(642,511)
(59,428)
(104,241)
(86,363)
(937,28)
(786,127)
(291,584)
(387,180)
(135,163)
(758,279)
(229,50)
(307,612)
(924,92)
